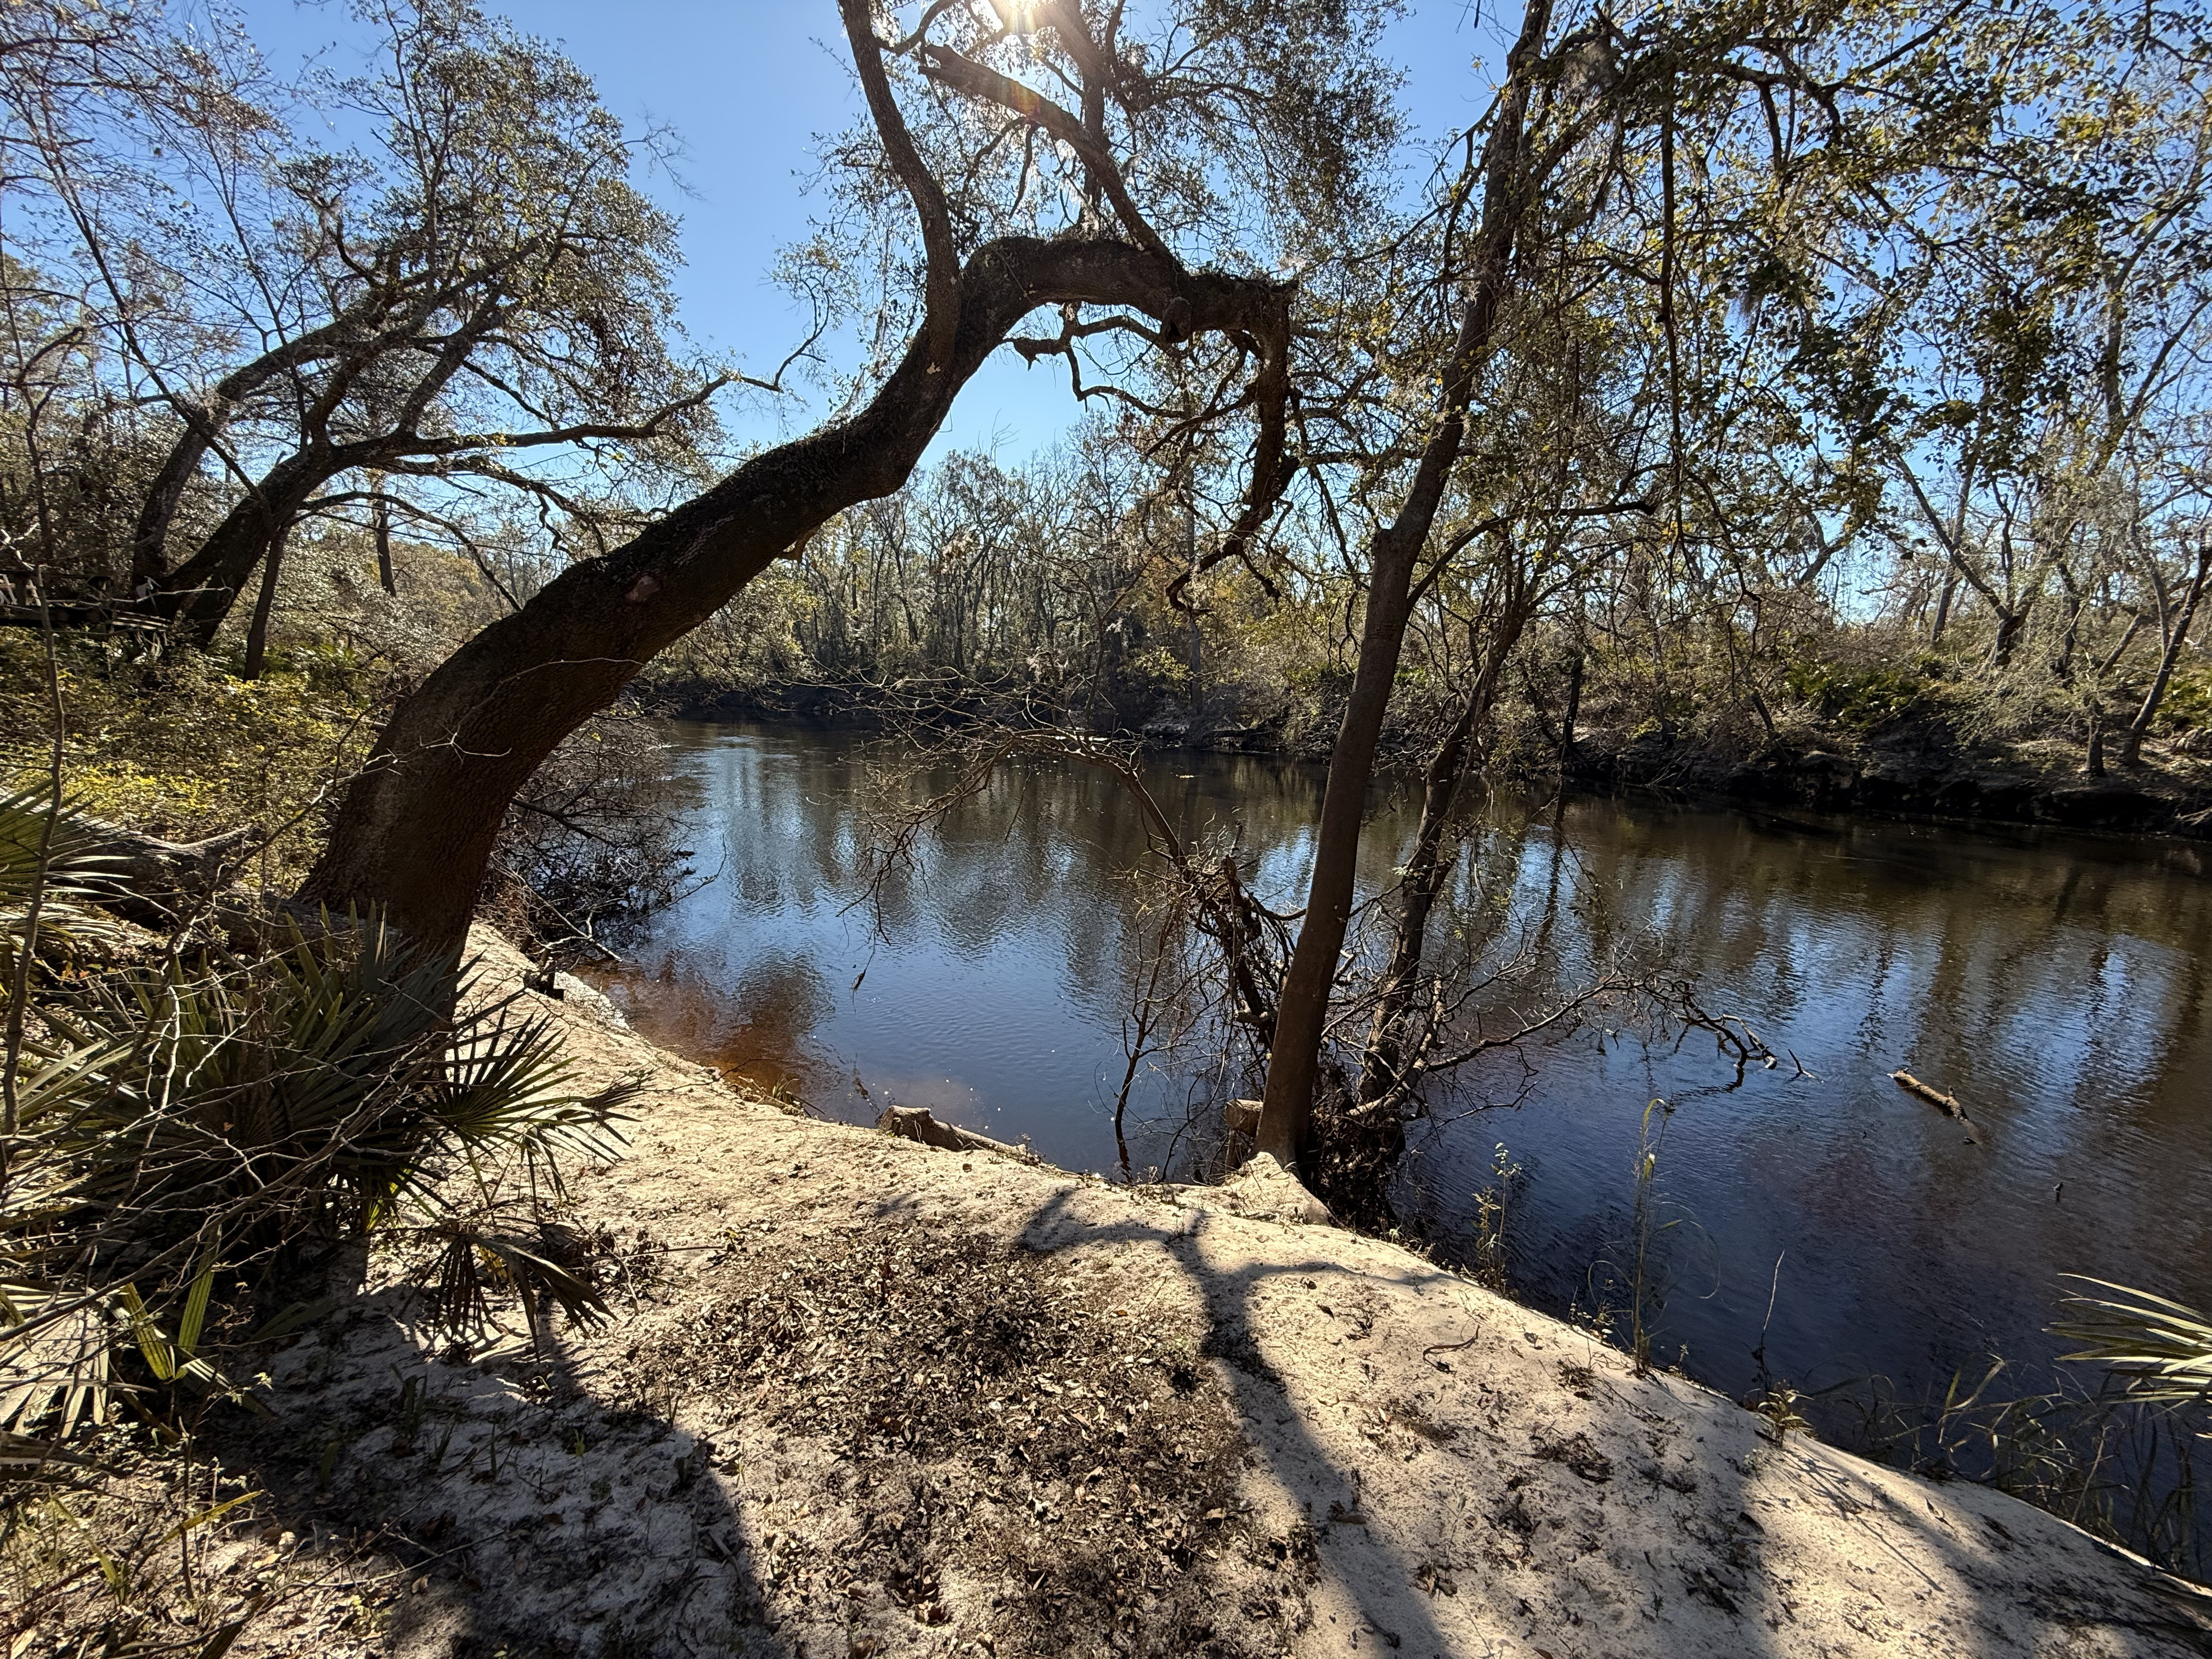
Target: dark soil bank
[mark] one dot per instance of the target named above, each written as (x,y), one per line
(1912,779)
(1919,770)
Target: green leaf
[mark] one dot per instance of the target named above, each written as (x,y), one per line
(215,1513)
(196,1307)
(160,1357)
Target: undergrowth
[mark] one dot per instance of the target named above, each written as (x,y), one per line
(174,744)
(198,1140)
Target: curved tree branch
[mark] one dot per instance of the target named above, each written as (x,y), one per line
(418,824)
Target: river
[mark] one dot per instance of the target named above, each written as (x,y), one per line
(2055,984)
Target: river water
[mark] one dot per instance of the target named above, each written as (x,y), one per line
(2055,984)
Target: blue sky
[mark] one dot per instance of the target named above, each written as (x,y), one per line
(748,87)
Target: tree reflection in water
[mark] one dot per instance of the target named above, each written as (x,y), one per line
(2055,984)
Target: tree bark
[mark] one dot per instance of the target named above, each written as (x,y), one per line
(1425,868)
(149,560)
(369,323)
(2176,642)
(1302,1012)
(256,631)
(1294,1063)
(380,522)
(200,592)
(1943,606)
(1574,709)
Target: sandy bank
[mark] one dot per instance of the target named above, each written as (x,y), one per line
(868,1398)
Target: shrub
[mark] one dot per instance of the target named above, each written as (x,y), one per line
(187,1120)
(177,747)
(1860,699)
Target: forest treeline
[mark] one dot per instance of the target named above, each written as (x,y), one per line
(988,584)
(1803,395)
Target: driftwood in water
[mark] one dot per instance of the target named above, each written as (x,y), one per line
(1947,1104)
(1929,1092)
(915,1123)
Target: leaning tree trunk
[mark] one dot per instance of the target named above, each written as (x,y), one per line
(198,595)
(202,423)
(1294,1062)
(1302,1012)
(417,826)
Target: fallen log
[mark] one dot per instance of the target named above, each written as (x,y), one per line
(167,875)
(1929,1092)
(1947,1104)
(77,614)
(141,877)
(915,1123)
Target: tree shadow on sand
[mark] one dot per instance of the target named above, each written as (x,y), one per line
(1086,1425)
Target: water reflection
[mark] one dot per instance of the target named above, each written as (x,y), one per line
(2055,984)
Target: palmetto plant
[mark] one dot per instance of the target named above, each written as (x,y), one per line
(55,857)
(194,1121)
(327,1081)
(2163,1349)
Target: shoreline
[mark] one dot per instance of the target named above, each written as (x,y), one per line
(1946,787)
(866,1396)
